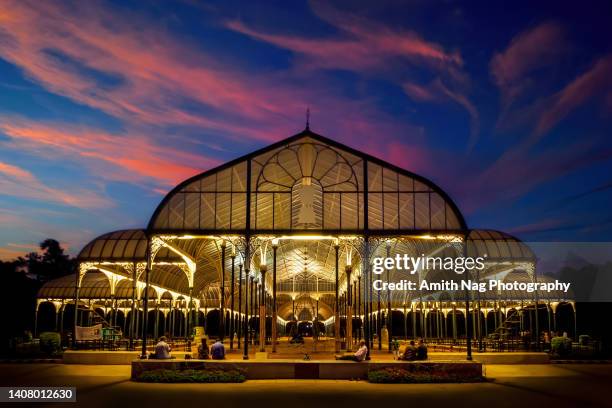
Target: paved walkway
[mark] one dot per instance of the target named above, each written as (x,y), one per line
(507,386)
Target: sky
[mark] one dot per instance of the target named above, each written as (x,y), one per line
(106,106)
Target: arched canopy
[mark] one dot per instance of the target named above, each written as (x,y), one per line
(94,286)
(306,183)
(498,246)
(121,246)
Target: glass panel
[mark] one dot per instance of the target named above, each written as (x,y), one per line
(375,215)
(374,177)
(406,211)
(107,252)
(282,211)
(326,159)
(422,211)
(452,222)
(96,251)
(238,210)
(406,183)
(194,186)
(209,183)
(389,180)
(263,218)
(391,211)
(349,211)
(239,177)
(176,208)
(331,210)
(224,180)
(419,186)
(192,210)
(223,210)
(162,218)
(207,211)
(437,212)
(141,249)
(119,248)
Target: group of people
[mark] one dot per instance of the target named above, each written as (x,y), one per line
(410,353)
(215,352)
(414,352)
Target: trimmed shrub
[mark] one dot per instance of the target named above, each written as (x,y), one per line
(394,375)
(50,343)
(193,376)
(561,346)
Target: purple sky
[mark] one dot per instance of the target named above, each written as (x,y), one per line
(105,106)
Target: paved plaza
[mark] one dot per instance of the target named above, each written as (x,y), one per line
(506,386)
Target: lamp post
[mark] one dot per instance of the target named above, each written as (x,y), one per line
(349,309)
(262,309)
(274,315)
(231,321)
(222,306)
(337,305)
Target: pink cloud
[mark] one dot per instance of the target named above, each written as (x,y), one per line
(363,45)
(128,158)
(528,51)
(593,82)
(519,171)
(18,182)
(419,93)
(436,91)
(154,70)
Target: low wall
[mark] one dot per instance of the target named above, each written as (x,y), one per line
(495,357)
(99,357)
(299,369)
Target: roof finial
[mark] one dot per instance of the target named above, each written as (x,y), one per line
(307,118)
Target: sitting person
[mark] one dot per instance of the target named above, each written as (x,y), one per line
(162,350)
(410,352)
(421,351)
(358,356)
(203,350)
(217,350)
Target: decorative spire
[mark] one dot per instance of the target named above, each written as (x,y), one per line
(307,118)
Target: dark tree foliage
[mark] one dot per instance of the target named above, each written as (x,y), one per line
(51,263)
(21,279)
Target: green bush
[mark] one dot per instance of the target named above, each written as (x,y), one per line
(30,349)
(393,375)
(50,343)
(193,376)
(561,346)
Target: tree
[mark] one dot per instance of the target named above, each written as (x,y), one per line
(51,263)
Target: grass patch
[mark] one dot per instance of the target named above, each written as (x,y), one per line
(193,376)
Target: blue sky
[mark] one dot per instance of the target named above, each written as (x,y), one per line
(105,106)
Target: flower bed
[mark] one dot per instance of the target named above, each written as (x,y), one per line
(425,374)
(193,376)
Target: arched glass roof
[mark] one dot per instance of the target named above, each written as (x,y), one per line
(498,246)
(306,183)
(121,246)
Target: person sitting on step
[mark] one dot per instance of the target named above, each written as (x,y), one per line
(358,356)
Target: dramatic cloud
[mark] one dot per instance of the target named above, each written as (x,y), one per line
(18,182)
(121,66)
(127,158)
(529,51)
(363,45)
(438,92)
(595,81)
(520,170)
